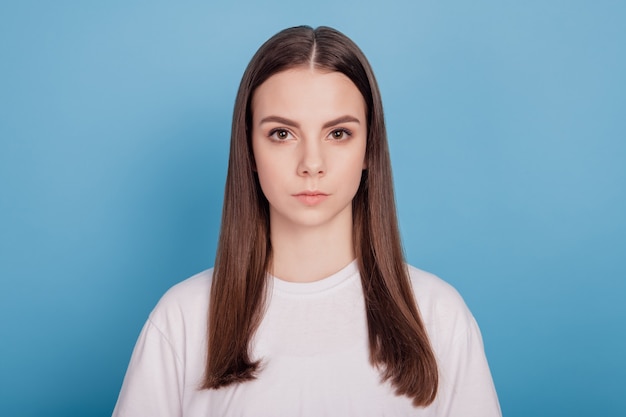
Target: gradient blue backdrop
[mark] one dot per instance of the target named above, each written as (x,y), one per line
(507,130)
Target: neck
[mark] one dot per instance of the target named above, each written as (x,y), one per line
(306,254)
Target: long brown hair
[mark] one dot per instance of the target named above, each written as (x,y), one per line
(398,342)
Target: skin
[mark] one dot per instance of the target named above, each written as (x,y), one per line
(309,136)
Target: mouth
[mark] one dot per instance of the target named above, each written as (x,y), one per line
(311,198)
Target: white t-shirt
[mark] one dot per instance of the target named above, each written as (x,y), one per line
(313,344)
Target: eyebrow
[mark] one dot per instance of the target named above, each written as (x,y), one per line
(291,123)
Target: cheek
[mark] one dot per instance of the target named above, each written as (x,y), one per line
(262,161)
(267,165)
(354,162)
(352,170)
(269,173)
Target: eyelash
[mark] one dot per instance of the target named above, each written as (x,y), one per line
(345,134)
(273,132)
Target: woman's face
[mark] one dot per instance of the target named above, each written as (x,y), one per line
(308,138)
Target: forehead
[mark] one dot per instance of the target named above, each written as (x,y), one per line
(307,93)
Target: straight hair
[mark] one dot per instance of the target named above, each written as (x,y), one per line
(398,342)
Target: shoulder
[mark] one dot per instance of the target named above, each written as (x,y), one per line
(466,387)
(432,292)
(189,289)
(441,307)
(185,304)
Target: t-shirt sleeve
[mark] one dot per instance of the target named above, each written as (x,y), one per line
(465,379)
(153,385)
(466,388)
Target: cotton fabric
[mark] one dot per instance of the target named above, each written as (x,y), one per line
(313,345)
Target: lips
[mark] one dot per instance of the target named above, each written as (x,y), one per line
(311,198)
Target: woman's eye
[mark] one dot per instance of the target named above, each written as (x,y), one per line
(280,134)
(339,134)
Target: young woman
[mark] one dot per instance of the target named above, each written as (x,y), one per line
(310,309)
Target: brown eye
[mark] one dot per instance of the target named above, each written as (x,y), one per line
(339,134)
(280,135)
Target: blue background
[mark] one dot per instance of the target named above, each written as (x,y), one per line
(507,131)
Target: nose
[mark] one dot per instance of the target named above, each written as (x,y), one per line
(311,159)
